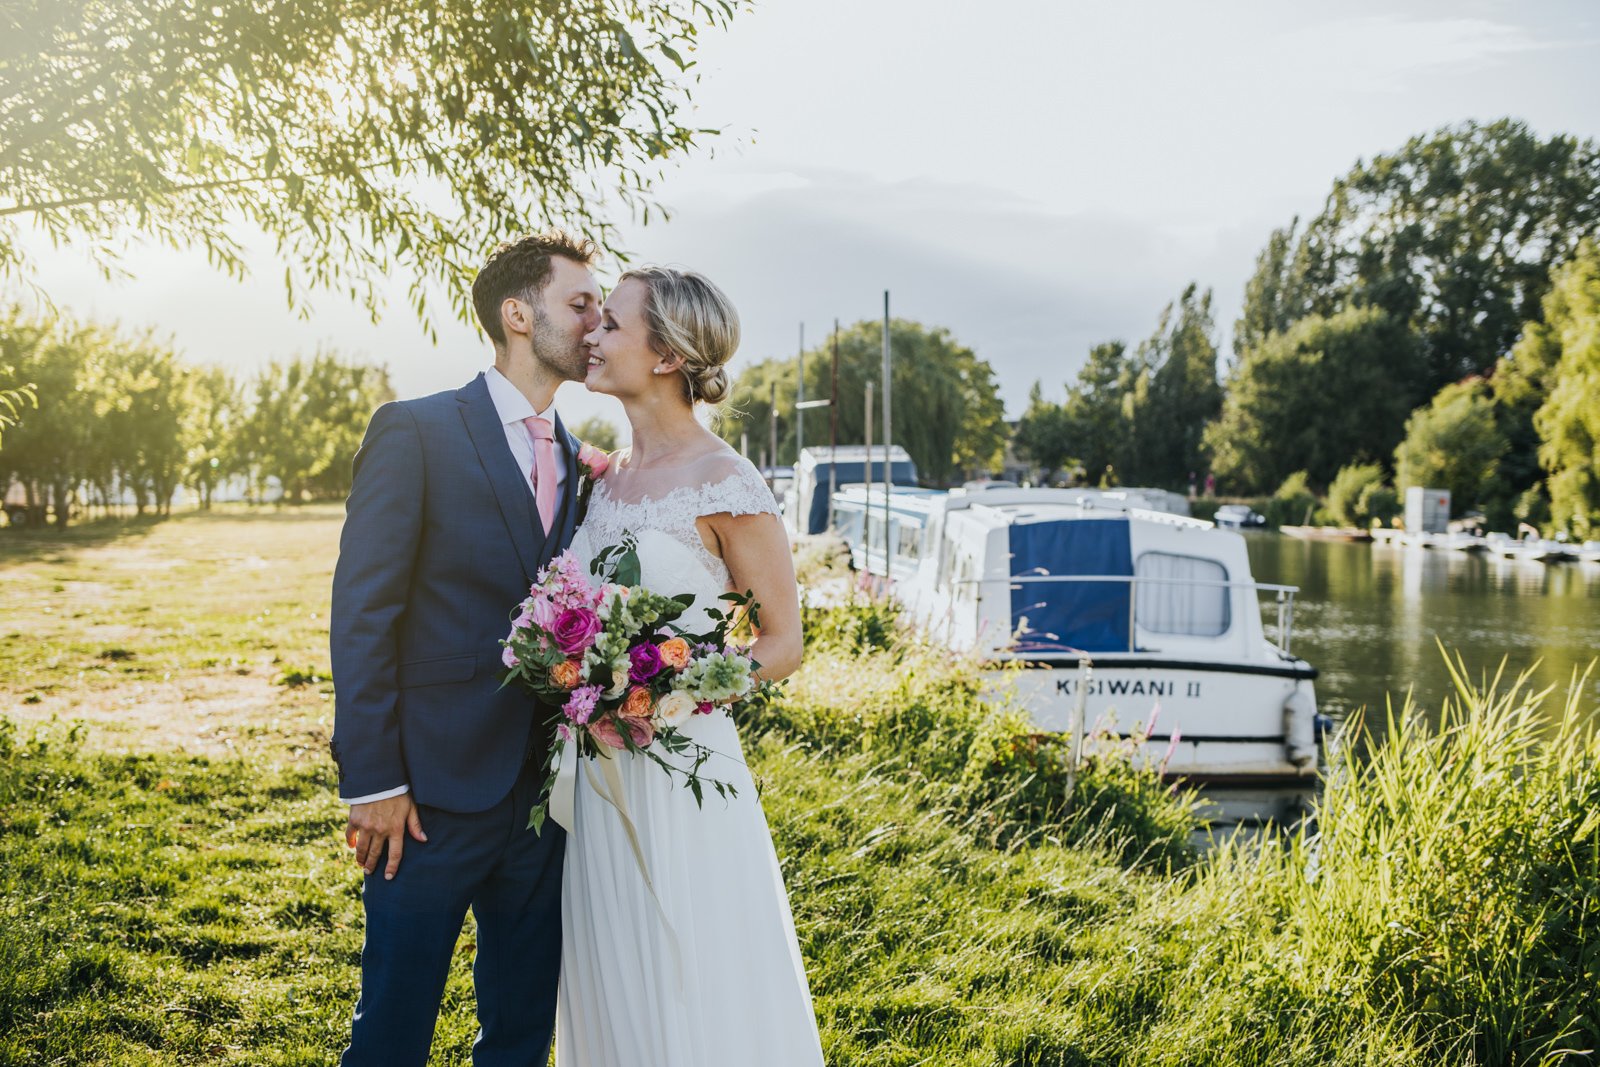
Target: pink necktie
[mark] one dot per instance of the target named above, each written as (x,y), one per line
(544,467)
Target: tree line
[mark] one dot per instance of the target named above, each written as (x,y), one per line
(115,418)
(1436,324)
(947,410)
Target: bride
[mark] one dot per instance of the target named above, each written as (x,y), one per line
(678,949)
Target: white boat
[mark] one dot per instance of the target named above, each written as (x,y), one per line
(1239,517)
(1110,611)
(1458,541)
(823,471)
(1588,552)
(1532,549)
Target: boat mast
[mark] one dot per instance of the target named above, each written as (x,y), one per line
(833,428)
(866,522)
(888,440)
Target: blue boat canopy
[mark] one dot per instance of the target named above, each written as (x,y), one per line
(846,472)
(1065,616)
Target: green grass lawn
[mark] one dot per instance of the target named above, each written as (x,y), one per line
(174,890)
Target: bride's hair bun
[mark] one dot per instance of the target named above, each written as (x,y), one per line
(689,317)
(711,385)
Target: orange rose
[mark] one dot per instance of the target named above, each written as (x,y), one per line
(567,674)
(638,704)
(675,653)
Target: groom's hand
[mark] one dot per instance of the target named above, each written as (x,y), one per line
(381,822)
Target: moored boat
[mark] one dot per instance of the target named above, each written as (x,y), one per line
(1103,610)
(1239,517)
(1326,533)
(1531,549)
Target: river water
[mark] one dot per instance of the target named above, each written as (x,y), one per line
(1370,618)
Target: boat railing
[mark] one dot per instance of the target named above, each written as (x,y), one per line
(1284,594)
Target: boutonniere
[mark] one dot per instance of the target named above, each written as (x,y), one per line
(592,464)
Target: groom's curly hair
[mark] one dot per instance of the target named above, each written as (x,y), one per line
(520,269)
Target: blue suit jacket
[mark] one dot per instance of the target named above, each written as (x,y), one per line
(441,540)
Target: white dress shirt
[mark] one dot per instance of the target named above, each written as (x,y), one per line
(512,407)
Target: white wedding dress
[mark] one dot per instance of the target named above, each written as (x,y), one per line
(682,953)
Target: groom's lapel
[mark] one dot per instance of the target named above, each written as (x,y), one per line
(510,490)
(567,524)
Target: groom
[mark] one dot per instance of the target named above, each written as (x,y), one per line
(459,498)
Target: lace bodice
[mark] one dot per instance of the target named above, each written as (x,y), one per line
(669,500)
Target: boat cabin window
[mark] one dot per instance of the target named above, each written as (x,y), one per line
(908,545)
(1181,595)
(849,522)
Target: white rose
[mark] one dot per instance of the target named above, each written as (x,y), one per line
(675,709)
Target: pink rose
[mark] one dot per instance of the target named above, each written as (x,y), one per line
(643,731)
(543,615)
(605,732)
(508,657)
(575,629)
(594,461)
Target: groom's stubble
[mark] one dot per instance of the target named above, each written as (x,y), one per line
(563,355)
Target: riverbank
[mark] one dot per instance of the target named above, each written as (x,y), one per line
(173,889)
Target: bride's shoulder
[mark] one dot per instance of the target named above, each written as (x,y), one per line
(731,483)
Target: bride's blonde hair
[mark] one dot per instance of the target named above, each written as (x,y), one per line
(689,317)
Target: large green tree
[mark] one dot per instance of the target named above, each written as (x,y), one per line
(213,413)
(1569,420)
(1454,235)
(1044,435)
(1275,295)
(1312,398)
(52,449)
(947,410)
(1175,394)
(369,139)
(306,418)
(13,401)
(1098,410)
(139,407)
(1093,428)
(1135,418)
(1453,443)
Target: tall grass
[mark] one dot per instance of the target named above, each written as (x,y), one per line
(944,721)
(1444,909)
(954,907)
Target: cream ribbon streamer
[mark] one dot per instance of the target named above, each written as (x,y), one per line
(563,809)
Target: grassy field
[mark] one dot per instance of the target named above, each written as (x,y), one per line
(173,889)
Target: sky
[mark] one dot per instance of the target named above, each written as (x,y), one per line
(1036,177)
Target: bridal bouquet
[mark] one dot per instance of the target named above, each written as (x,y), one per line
(625,676)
